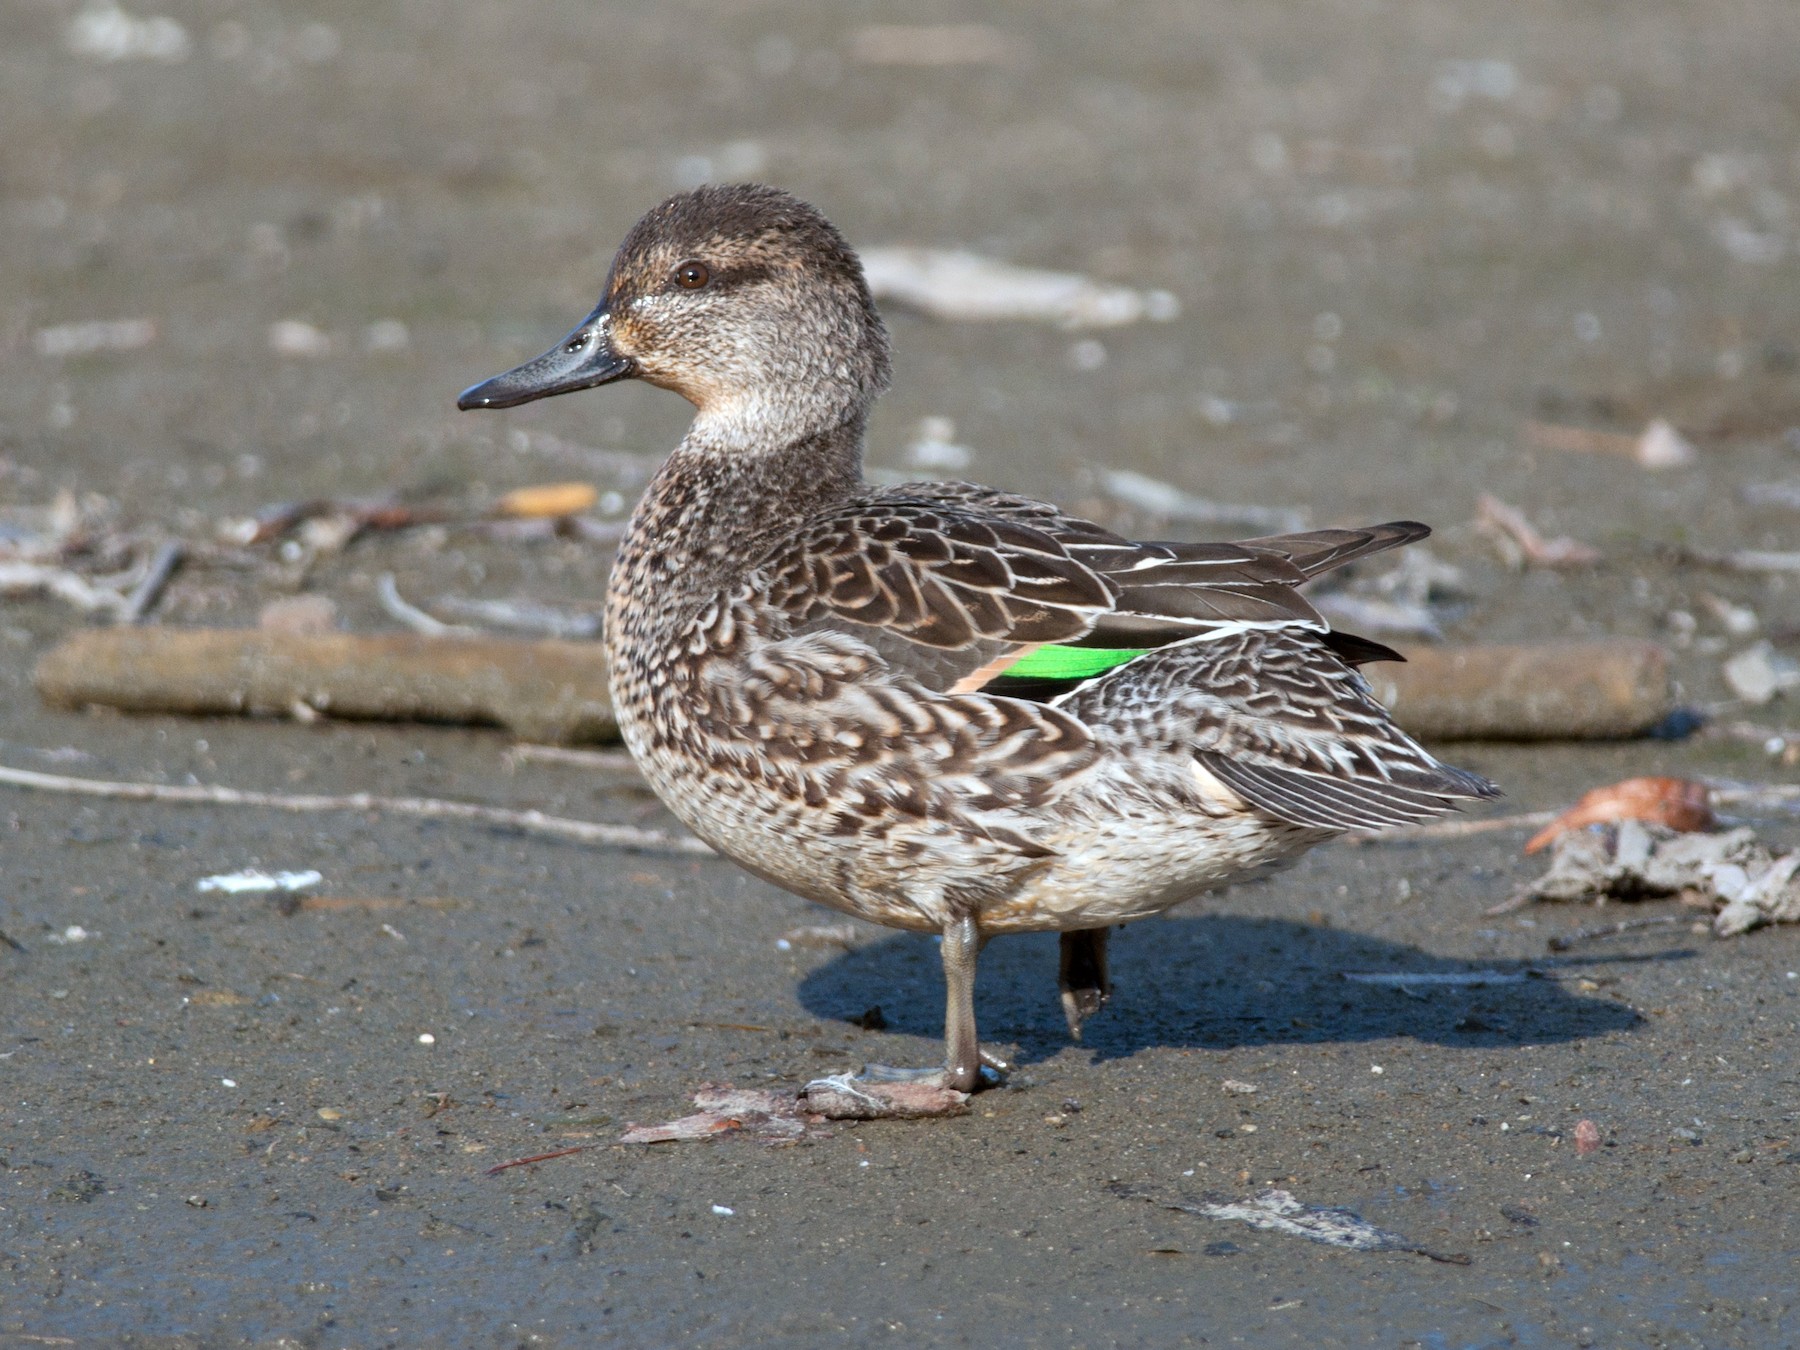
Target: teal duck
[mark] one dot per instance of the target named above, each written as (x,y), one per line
(943,707)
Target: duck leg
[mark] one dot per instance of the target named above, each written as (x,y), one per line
(962,1046)
(881,1090)
(1083,977)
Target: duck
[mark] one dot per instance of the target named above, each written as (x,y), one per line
(944,707)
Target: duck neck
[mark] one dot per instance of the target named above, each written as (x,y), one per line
(715,499)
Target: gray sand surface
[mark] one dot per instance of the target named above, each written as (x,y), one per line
(1400,233)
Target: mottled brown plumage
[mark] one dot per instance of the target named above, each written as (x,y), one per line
(812,672)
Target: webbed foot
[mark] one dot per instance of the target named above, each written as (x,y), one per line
(1083,977)
(881,1091)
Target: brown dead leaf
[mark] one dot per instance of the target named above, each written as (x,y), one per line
(1679,803)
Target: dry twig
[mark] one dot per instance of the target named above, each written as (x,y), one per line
(213,794)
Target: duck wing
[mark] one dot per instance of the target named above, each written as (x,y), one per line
(956,583)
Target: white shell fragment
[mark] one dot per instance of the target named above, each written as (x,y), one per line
(104,32)
(297,338)
(238,883)
(1279,1211)
(1758,673)
(94,335)
(1663,447)
(957,285)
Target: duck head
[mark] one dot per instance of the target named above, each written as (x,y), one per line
(742,299)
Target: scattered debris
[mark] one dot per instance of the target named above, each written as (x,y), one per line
(1563,941)
(768,1115)
(1369,614)
(1165,501)
(935,44)
(843,1096)
(548,500)
(252,879)
(95,335)
(1759,673)
(1407,599)
(297,338)
(498,1168)
(149,589)
(957,285)
(1662,447)
(386,335)
(1519,541)
(1587,1137)
(1780,744)
(1785,493)
(818,935)
(104,32)
(1277,1211)
(1737,620)
(543,690)
(1741,560)
(387,590)
(1658,446)
(212,794)
(1766,798)
(1679,803)
(72,934)
(1601,689)
(1742,880)
(526,616)
(30,578)
(778,1117)
(1237,1088)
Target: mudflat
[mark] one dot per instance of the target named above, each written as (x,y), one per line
(1420,253)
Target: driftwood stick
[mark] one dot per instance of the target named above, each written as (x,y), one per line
(1599,690)
(147,592)
(546,690)
(556,691)
(213,794)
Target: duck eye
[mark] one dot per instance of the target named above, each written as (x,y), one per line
(692,275)
(574,345)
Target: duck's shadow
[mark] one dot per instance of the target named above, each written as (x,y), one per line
(1223,981)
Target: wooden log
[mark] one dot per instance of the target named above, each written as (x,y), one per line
(1604,689)
(555,692)
(550,691)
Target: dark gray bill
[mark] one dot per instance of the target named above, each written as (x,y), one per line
(580,361)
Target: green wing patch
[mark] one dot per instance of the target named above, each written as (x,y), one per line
(1050,662)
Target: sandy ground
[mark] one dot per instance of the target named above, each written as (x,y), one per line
(1399,233)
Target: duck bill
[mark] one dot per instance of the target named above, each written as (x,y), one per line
(582,360)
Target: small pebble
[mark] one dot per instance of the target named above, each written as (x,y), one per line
(725,1210)
(426,1038)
